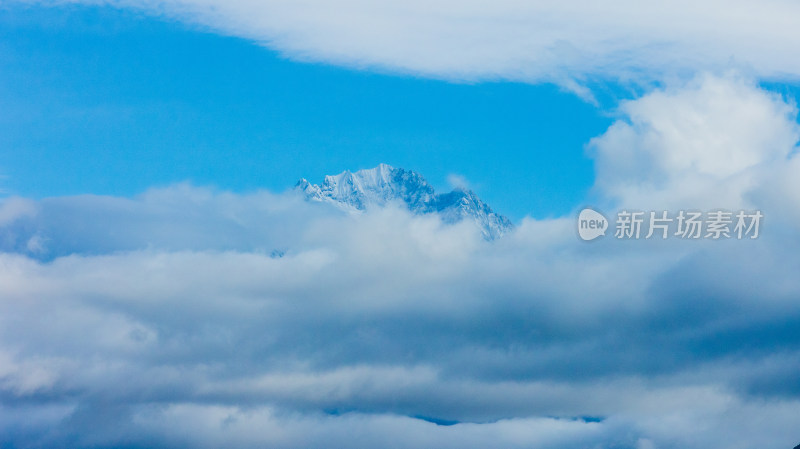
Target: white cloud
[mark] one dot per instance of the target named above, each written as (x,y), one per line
(542,41)
(703,145)
(457,181)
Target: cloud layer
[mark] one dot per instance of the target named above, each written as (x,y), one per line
(542,41)
(190,317)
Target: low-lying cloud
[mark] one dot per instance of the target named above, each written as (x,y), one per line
(191,317)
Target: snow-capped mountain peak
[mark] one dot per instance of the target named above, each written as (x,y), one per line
(376,187)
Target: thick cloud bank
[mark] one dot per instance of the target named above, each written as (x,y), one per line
(187,317)
(532,41)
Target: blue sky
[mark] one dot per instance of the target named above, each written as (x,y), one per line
(107,101)
(160,288)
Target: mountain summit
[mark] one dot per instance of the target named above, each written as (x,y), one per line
(376,187)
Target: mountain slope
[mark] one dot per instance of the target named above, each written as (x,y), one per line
(376,187)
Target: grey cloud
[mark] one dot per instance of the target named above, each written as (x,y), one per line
(393,328)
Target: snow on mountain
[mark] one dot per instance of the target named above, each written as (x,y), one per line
(376,187)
